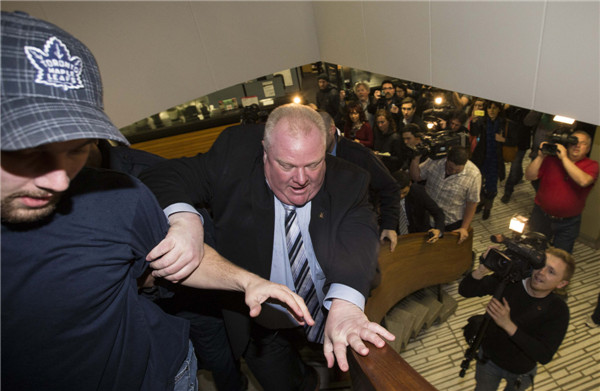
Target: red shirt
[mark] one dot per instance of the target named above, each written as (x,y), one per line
(558,195)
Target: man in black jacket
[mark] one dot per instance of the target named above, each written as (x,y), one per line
(384,191)
(528,325)
(328,97)
(418,206)
(522,133)
(261,184)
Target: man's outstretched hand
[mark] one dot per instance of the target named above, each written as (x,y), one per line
(348,325)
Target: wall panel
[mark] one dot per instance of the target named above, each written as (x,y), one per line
(569,73)
(539,54)
(487,49)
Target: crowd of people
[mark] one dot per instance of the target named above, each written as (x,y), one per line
(442,192)
(122,270)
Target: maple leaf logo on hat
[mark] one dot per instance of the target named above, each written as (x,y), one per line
(55,65)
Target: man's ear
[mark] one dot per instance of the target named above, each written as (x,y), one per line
(264,151)
(562,284)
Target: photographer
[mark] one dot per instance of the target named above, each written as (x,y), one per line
(527,326)
(565,180)
(385,99)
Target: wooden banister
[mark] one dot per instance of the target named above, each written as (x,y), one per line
(414,265)
(186,144)
(384,370)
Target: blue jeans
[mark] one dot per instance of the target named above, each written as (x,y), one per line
(488,376)
(186,379)
(560,232)
(516,172)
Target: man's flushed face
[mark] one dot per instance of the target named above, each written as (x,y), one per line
(550,276)
(581,149)
(388,90)
(408,110)
(33,179)
(295,164)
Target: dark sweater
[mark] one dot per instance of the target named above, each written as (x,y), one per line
(542,324)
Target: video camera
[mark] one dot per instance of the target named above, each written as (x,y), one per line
(563,137)
(254,115)
(433,117)
(435,145)
(521,256)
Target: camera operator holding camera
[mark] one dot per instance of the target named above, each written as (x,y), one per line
(565,180)
(527,325)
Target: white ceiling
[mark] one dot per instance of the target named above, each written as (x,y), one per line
(543,55)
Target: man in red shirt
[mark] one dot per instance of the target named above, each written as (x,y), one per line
(565,182)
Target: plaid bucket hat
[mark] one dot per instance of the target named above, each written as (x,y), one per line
(51,88)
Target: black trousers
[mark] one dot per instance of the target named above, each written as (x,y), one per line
(273,358)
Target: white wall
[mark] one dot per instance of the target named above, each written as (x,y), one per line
(154,55)
(543,55)
(537,54)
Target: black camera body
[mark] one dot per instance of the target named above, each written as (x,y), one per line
(253,115)
(435,145)
(520,257)
(559,137)
(350,96)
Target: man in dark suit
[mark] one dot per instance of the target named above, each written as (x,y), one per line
(385,193)
(253,183)
(418,206)
(408,107)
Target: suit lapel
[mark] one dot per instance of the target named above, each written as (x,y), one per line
(320,221)
(263,214)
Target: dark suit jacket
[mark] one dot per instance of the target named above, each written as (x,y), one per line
(385,189)
(230,179)
(418,203)
(478,129)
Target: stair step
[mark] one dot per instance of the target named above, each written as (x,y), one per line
(429,299)
(400,323)
(449,306)
(418,310)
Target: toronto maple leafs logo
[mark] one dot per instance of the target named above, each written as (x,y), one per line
(55,65)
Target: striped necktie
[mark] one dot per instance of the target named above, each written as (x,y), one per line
(403,223)
(305,287)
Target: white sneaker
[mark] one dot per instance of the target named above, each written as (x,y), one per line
(590,322)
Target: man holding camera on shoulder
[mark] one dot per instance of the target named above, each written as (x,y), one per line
(527,326)
(565,180)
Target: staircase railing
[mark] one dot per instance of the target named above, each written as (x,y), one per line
(414,265)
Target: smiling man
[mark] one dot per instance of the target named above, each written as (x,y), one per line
(274,193)
(565,182)
(527,326)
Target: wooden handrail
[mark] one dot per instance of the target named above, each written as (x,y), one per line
(384,370)
(187,144)
(416,264)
